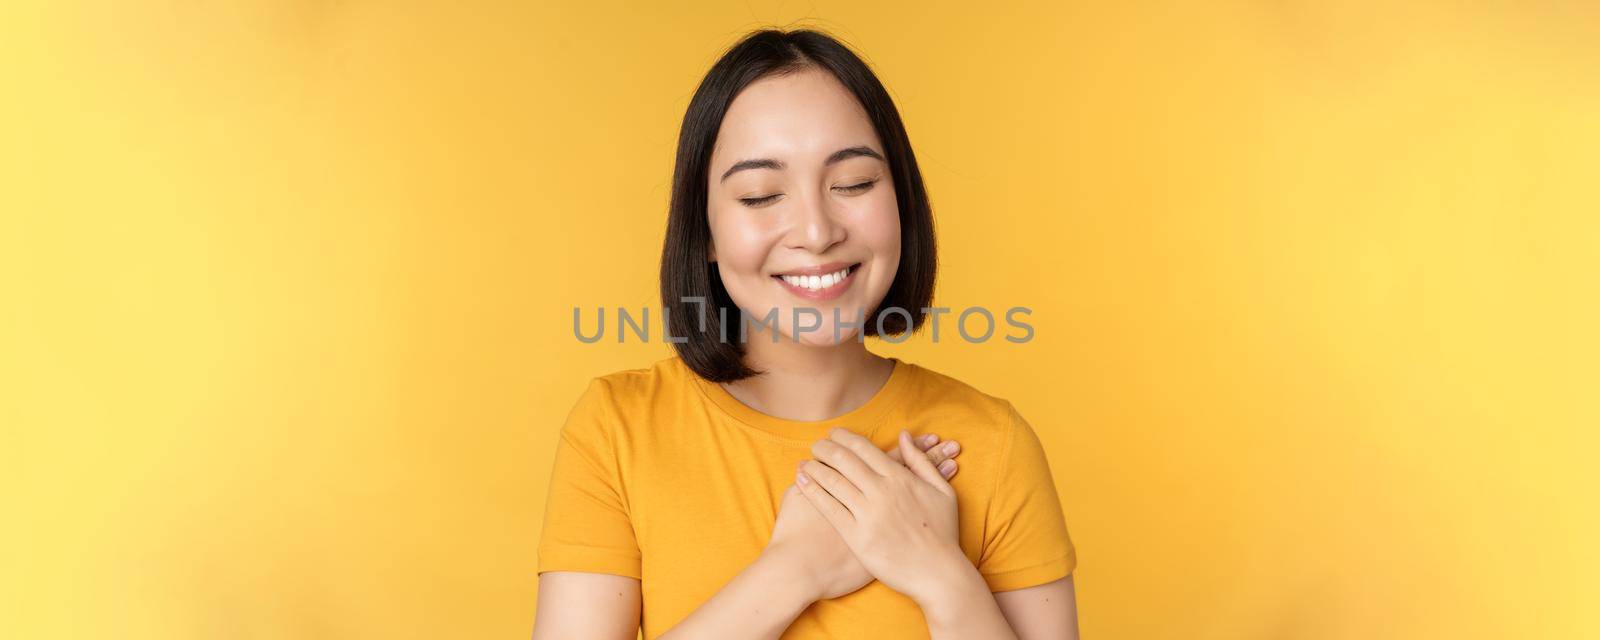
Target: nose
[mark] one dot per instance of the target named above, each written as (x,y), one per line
(815,229)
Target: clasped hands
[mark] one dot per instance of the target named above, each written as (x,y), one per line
(856,513)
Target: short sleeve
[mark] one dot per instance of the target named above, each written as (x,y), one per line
(586,523)
(1025,536)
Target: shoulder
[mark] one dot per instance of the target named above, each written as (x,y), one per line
(611,406)
(614,397)
(666,376)
(953,398)
(993,431)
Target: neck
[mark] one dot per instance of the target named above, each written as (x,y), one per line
(809,383)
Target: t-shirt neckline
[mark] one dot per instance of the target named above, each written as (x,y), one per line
(864,420)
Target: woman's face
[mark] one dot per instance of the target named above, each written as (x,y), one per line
(802,208)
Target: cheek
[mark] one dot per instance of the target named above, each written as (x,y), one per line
(741,246)
(880,231)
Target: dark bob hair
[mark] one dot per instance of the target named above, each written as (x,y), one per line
(686,270)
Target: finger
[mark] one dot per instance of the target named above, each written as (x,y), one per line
(920,464)
(924,443)
(937,455)
(846,462)
(868,452)
(948,469)
(825,503)
(835,484)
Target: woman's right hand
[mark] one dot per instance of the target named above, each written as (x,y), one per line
(809,548)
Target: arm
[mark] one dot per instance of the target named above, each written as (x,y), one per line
(1049,610)
(1028,560)
(575,604)
(760,602)
(966,609)
(589,561)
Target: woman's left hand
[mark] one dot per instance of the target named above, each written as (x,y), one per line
(898,520)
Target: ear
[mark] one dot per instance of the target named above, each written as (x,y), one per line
(711,251)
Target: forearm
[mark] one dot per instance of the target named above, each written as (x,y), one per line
(961,607)
(760,602)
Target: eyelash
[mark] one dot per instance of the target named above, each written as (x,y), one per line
(860,187)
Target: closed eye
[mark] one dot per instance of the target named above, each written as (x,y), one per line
(860,187)
(756,202)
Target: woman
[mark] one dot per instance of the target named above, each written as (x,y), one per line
(773,485)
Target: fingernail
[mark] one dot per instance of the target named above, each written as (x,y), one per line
(801,478)
(950,448)
(929,440)
(947,467)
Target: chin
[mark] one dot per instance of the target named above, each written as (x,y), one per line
(823,337)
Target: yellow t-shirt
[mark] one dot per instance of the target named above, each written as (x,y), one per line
(663,476)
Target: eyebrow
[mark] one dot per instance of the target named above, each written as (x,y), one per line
(768,163)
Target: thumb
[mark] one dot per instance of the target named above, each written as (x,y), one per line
(917,462)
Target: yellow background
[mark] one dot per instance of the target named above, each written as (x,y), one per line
(287,289)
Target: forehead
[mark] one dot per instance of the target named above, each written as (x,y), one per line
(807,113)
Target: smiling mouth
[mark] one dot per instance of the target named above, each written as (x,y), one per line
(818,283)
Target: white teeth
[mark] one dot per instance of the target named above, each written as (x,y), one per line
(816,283)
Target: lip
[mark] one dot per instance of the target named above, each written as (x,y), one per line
(829,293)
(817,270)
